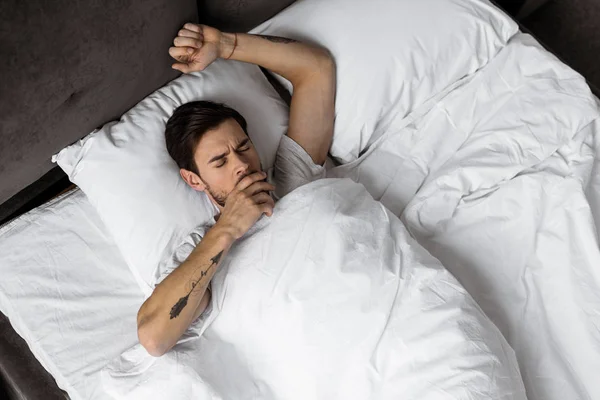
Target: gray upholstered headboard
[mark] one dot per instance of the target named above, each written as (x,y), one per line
(68,67)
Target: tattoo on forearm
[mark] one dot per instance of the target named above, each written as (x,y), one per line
(182,302)
(278,39)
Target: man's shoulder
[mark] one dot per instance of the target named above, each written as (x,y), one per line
(293,167)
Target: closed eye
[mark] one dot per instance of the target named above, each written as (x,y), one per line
(244,145)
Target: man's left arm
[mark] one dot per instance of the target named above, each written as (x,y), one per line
(310,69)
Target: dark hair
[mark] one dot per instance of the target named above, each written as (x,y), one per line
(187,125)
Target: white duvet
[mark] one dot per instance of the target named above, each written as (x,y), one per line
(329,299)
(500,180)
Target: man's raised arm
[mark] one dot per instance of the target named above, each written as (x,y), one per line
(310,69)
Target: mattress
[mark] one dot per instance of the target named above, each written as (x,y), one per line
(498,178)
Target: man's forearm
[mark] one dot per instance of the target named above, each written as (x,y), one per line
(291,59)
(175,302)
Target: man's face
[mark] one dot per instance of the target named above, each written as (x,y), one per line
(223,156)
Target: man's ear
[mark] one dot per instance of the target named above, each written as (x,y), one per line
(192,179)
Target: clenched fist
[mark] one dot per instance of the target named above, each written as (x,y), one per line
(196,47)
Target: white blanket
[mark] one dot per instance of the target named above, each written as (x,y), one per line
(500,180)
(329,299)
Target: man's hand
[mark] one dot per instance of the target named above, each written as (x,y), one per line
(245,204)
(196,47)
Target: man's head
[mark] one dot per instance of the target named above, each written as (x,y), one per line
(210,144)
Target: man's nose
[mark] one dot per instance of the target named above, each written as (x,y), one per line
(241,166)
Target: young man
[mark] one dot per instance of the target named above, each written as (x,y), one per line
(210,144)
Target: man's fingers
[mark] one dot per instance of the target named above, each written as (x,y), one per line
(193,27)
(268,207)
(260,186)
(187,41)
(190,34)
(181,67)
(250,179)
(262,197)
(180,53)
(265,202)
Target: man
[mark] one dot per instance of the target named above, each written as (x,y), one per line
(210,144)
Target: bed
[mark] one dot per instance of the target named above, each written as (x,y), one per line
(537,304)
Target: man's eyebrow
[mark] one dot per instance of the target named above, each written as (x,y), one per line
(217,158)
(243,143)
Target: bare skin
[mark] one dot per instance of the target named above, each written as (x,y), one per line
(229,167)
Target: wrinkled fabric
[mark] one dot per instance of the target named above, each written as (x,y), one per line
(500,180)
(391,56)
(68,292)
(330,298)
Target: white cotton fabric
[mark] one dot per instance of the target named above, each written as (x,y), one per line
(67,291)
(391,55)
(293,168)
(500,180)
(330,298)
(127,174)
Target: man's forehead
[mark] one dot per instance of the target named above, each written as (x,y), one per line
(219,140)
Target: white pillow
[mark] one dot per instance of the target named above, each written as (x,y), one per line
(128,176)
(392,55)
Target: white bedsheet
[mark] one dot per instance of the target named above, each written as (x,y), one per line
(329,299)
(500,180)
(68,292)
